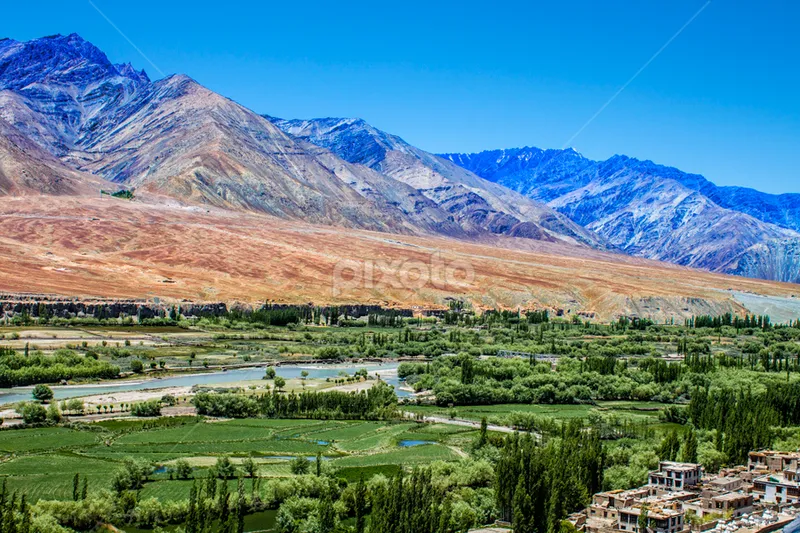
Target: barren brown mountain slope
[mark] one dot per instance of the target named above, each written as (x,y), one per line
(26,169)
(82,246)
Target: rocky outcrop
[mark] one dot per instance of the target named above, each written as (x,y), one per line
(775,259)
(35,305)
(54,306)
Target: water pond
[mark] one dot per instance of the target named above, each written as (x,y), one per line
(413,443)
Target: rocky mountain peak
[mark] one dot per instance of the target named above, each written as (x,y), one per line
(59,60)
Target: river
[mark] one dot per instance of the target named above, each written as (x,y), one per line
(387,371)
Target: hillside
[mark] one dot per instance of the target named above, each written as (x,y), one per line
(121,249)
(26,169)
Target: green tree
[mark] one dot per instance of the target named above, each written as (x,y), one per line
(224,468)
(32,413)
(483,436)
(250,467)
(183,469)
(43,393)
(299,465)
(280,383)
(360,505)
(668,450)
(327,514)
(192,519)
(76,487)
(523,509)
(241,506)
(643,522)
(689,449)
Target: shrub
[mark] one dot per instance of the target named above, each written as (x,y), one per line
(32,413)
(42,393)
(169,399)
(300,466)
(182,469)
(148,408)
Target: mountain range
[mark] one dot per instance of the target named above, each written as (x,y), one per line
(176,138)
(73,123)
(654,211)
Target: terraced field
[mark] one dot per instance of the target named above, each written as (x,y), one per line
(42,462)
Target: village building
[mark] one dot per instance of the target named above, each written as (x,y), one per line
(772,461)
(676,476)
(728,504)
(667,517)
(778,488)
(603,512)
(727,483)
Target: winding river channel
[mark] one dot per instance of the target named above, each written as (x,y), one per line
(387,372)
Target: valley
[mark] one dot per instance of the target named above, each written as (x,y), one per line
(251,422)
(215,320)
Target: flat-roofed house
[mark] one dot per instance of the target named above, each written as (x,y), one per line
(733,504)
(779,487)
(661,518)
(772,461)
(675,476)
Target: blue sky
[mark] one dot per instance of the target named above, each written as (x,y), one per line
(720,100)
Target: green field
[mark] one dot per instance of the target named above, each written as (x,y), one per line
(640,412)
(42,462)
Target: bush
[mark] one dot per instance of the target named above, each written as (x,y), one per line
(169,399)
(225,404)
(42,393)
(148,408)
(32,413)
(137,366)
(300,466)
(53,413)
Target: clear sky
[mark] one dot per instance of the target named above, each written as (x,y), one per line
(720,100)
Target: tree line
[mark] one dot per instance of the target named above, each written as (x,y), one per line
(377,402)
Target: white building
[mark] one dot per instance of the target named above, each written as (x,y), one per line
(676,476)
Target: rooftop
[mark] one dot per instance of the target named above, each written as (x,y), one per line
(686,467)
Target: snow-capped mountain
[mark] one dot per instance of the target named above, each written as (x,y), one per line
(654,211)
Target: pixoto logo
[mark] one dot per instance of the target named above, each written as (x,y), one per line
(407,274)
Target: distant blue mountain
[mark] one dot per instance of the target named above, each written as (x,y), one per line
(656,211)
(546,174)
